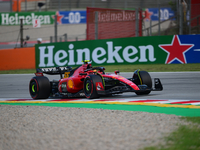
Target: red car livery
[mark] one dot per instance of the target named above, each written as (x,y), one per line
(88,81)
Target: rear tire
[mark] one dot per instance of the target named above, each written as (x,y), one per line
(146,79)
(39,87)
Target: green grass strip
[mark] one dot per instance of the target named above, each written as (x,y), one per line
(185,138)
(151,109)
(130,68)
(192,119)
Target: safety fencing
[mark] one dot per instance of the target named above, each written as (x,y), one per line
(166,19)
(112,23)
(68,5)
(68,29)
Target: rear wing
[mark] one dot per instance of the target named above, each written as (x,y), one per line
(55,71)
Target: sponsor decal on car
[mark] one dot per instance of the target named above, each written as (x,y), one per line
(70,84)
(99,86)
(66,74)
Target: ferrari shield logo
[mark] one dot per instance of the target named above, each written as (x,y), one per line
(99,86)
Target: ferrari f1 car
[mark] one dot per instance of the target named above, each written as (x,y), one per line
(88,81)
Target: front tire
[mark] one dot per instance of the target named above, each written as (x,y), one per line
(145,78)
(39,87)
(89,86)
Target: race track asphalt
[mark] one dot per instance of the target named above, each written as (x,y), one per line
(94,126)
(176,85)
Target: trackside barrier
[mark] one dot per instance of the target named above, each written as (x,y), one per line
(180,49)
(19,58)
(13,18)
(172,49)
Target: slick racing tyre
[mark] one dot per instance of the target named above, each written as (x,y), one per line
(89,86)
(39,87)
(145,79)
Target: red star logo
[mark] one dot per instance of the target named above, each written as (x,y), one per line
(148,14)
(176,50)
(59,17)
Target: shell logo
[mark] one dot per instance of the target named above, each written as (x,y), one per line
(70,84)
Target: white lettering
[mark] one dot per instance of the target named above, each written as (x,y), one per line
(71,57)
(41,19)
(127,55)
(33,16)
(80,55)
(112,54)
(60,55)
(46,19)
(16,18)
(96,56)
(143,53)
(28,20)
(49,55)
(22,17)
(4,19)
(71,17)
(77,17)
(12,20)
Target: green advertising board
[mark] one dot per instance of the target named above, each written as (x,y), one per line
(13,18)
(135,50)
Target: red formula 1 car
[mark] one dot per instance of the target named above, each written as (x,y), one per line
(88,81)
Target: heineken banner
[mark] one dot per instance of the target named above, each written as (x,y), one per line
(136,50)
(13,18)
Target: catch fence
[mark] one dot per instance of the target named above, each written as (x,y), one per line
(184,21)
